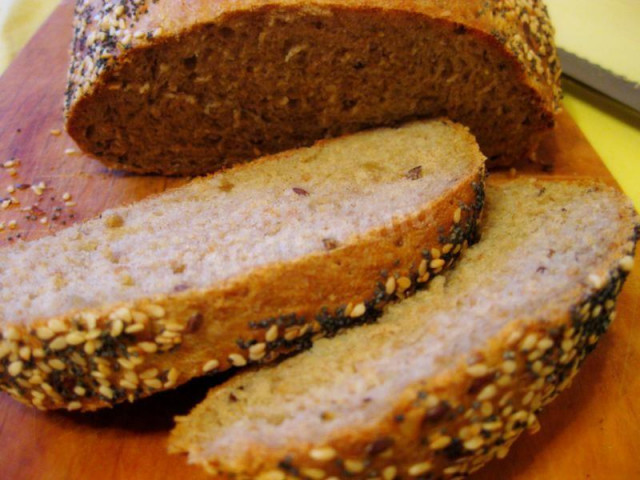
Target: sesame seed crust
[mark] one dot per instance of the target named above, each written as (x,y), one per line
(96,358)
(111,36)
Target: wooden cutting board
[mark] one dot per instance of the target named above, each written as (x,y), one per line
(591,432)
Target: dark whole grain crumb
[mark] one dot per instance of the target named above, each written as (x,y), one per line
(437,413)
(194,323)
(330,243)
(300,191)
(415,173)
(181,287)
(379,446)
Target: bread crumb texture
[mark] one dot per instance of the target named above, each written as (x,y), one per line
(155,87)
(447,379)
(236,268)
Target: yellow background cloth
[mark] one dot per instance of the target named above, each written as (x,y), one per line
(604,31)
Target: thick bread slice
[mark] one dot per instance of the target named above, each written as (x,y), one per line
(179,87)
(445,380)
(235,268)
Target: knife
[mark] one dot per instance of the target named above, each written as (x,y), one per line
(596,77)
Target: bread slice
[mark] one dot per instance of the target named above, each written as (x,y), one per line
(155,86)
(236,268)
(445,380)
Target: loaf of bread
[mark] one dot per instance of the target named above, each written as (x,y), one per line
(187,87)
(445,380)
(235,268)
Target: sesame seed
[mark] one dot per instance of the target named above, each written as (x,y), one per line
(11,189)
(128,385)
(257,351)
(57,364)
(139,317)
(422,268)
(457,215)
(435,253)
(534,355)
(44,333)
(626,263)
(74,406)
(509,366)
(403,283)
(148,347)
(313,473)
(504,380)
(596,311)
(529,342)
(353,466)
(210,365)
(545,344)
(71,151)
(237,360)
(418,469)
(323,454)
(272,333)
(93,334)
(478,370)
(389,473)
(452,470)
(57,326)
(122,313)
(106,392)
(437,263)
(596,280)
(135,328)
(126,363)
(390,286)
(55,132)
(150,373)
(90,319)
(526,400)
(272,475)
(502,452)
(566,345)
(155,311)
(358,310)
(59,343)
(173,375)
(153,383)
(79,391)
(474,443)
(440,442)
(75,338)
(12,225)
(117,327)
(12,171)
(15,368)
(487,393)
(492,426)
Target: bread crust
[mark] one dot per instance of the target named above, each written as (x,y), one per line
(450,425)
(93,358)
(110,40)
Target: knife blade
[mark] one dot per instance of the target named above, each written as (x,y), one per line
(604,81)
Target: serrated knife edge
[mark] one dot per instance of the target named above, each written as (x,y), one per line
(598,78)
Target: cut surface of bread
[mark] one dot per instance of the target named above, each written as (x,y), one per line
(237,267)
(157,87)
(447,379)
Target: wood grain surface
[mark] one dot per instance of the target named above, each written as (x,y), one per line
(591,432)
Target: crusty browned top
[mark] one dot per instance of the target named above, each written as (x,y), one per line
(105,30)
